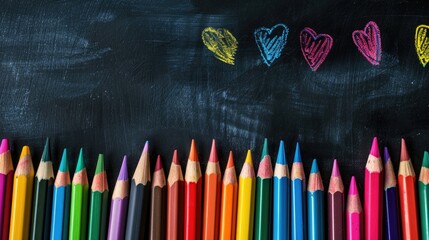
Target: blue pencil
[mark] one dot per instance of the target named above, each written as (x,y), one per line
(61,201)
(315,192)
(393,225)
(298,201)
(281,205)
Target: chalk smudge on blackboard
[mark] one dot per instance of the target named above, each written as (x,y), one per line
(315,47)
(422,44)
(368,42)
(221,42)
(271,41)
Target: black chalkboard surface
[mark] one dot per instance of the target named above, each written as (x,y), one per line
(107,75)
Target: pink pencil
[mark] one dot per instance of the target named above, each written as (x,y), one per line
(6,182)
(373,194)
(354,218)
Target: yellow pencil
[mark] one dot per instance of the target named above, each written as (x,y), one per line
(246,200)
(21,196)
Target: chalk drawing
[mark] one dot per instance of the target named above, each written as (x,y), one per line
(221,42)
(422,44)
(315,47)
(368,42)
(271,42)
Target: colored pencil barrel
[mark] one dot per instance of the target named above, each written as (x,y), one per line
(354,214)
(79,201)
(424,196)
(175,189)
(97,222)
(315,203)
(393,227)
(61,201)
(6,185)
(228,215)
(193,196)
(263,209)
(281,197)
(407,196)
(42,197)
(336,228)
(139,200)
(298,230)
(21,197)
(159,198)
(212,192)
(119,205)
(373,194)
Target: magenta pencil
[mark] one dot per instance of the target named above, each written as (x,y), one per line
(6,182)
(354,215)
(119,205)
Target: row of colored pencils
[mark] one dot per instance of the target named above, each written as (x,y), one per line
(271,204)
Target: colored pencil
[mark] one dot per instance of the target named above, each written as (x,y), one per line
(159,197)
(246,200)
(139,201)
(21,196)
(61,201)
(79,201)
(393,229)
(6,185)
(42,197)
(263,205)
(354,214)
(424,196)
(228,213)
(97,225)
(175,189)
(315,201)
(336,221)
(407,196)
(119,204)
(373,197)
(281,204)
(212,192)
(193,195)
(298,220)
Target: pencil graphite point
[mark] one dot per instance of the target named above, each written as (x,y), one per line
(213,153)
(80,163)
(25,151)
(4,147)
(374,148)
(425,159)
(404,152)
(386,155)
(314,167)
(193,155)
(264,149)
(100,164)
(46,155)
(146,147)
(64,166)
(175,157)
(353,188)
(249,157)
(297,157)
(158,165)
(335,169)
(230,160)
(123,173)
(281,155)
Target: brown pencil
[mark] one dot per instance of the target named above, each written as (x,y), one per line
(175,189)
(159,197)
(336,229)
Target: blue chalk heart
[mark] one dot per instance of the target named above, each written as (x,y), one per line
(271,42)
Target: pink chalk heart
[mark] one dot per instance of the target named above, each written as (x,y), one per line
(368,42)
(315,47)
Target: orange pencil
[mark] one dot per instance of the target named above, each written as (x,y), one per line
(228,214)
(407,196)
(212,191)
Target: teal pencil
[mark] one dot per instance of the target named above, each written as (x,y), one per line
(298,215)
(316,218)
(61,202)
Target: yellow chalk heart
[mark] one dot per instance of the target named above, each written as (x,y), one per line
(221,42)
(422,44)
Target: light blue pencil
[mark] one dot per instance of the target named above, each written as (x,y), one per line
(298,221)
(315,196)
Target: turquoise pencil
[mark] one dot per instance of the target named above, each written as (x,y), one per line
(298,221)
(315,196)
(61,201)
(281,196)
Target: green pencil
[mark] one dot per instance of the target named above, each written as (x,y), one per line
(263,209)
(424,196)
(99,202)
(79,201)
(42,197)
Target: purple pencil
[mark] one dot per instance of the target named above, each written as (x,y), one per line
(119,205)
(6,182)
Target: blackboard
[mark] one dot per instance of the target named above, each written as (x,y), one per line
(107,75)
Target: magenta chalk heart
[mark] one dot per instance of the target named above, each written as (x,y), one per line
(315,47)
(368,42)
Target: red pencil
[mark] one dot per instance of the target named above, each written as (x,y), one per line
(193,196)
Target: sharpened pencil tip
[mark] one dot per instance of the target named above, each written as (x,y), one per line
(123,173)
(213,153)
(281,155)
(46,155)
(264,149)
(230,160)
(158,165)
(386,155)
(374,148)
(175,159)
(146,147)
(64,165)
(297,157)
(249,157)
(100,164)
(4,147)
(314,167)
(25,151)
(353,187)
(193,155)
(426,159)
(404,152)
(80,163)
(336,169)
